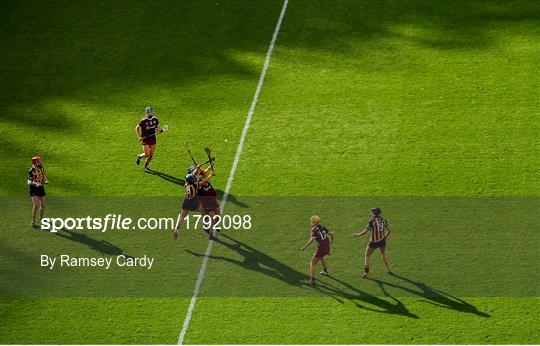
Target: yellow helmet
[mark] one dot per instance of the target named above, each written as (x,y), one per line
(315,219)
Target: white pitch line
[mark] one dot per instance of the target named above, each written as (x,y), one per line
(204,263)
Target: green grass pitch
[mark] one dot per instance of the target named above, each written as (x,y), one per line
(428,109)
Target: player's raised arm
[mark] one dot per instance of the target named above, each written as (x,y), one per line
(196,170)
(207,179)
(209,168)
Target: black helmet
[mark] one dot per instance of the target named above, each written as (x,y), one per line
(376,211)
(190,178)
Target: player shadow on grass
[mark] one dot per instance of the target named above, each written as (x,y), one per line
(432,296)
(101,246)
(357,296)
(258,261)
(179,181)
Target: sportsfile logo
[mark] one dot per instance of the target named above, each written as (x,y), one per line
(112,222)
(104,224)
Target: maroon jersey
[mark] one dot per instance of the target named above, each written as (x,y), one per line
(321,234)
(148,127)
(207,189)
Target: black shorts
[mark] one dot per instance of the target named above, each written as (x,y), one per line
(37,191)
(191,204)
(377,244)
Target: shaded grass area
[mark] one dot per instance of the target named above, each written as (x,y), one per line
(238,320)
(77,77)
(92,320)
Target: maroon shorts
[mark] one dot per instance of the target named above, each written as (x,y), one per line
(321,252)
(191,204)
(149,140)
(209,203)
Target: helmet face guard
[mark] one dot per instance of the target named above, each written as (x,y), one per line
(149,112)
(190,178)
(376,211)
(36,159)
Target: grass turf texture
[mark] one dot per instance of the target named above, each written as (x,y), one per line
(399,98)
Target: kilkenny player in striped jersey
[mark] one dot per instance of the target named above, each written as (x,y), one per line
(323,237)
(191,203)
(36,180)
(379,232)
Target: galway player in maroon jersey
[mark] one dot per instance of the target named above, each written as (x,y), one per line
(191,203)
(323,237)
(36,180)
(146,130)
(379,233)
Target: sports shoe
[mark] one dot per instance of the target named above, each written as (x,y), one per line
(365,275)
(138,160)
(175,234)
(388,270)
(211,237)
(325,272)
(311,282)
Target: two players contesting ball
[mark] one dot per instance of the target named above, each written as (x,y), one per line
(199,195)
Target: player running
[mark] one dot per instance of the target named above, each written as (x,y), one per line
(146,130)
(379,232)
(323,237)
(36,180)
(191,203)
(208,198)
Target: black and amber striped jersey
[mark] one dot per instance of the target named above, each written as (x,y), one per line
(36,175)
(378,227)
(191,190)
